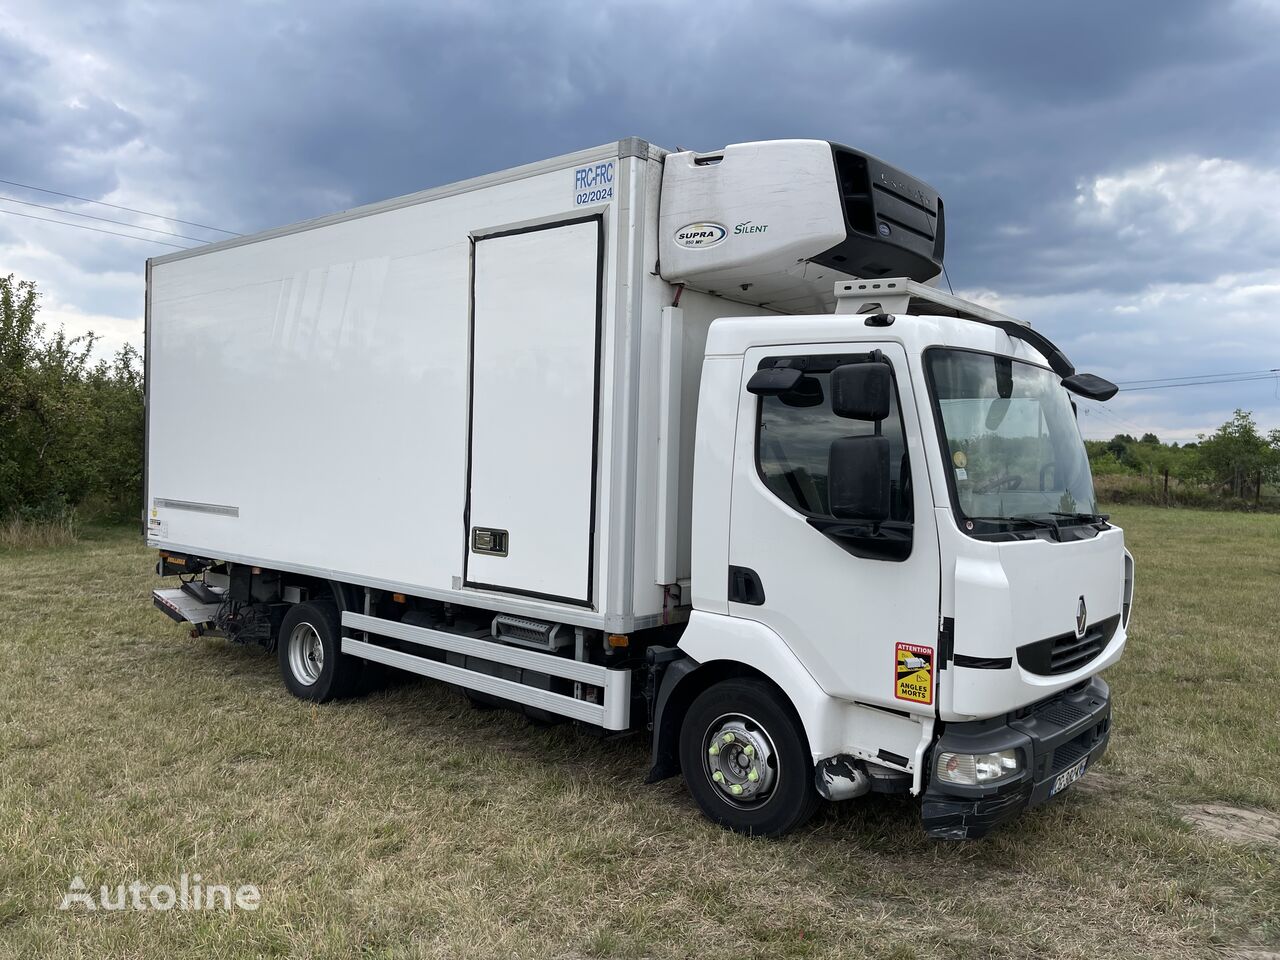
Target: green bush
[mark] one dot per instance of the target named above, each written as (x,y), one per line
(70,429)
(1235,468)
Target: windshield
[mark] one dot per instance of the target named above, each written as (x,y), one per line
(1011,438)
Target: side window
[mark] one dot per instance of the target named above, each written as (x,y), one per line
(794,433)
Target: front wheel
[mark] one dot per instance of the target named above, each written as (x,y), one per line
(745,759)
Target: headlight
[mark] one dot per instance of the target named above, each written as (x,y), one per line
(971,769)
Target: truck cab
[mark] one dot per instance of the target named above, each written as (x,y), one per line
(904,506)
(902,500)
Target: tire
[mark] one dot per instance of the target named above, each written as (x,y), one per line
(746,732)
(484,701)
(309,651)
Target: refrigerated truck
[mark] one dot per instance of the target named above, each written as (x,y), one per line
(689,444)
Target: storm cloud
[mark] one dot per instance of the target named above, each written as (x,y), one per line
(1111,171)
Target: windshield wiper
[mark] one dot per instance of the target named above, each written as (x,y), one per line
(1025,521)
(1081,517)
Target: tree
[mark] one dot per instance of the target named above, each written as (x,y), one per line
(70,430)
(1237,458)
(1120,446)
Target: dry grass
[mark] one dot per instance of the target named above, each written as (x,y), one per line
(408,825)
(18,533)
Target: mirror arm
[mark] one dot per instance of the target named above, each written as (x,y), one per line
(890,541)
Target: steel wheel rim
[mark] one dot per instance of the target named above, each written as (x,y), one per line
(740,760)
(306,654)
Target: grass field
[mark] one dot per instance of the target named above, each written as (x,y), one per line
(407,824)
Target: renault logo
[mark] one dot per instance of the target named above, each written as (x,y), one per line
(1082,618)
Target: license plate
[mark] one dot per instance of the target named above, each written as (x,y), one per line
(1069,776)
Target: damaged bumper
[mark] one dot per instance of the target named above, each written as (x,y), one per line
(1058,740)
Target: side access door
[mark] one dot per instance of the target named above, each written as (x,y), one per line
(856,602)
(537,299)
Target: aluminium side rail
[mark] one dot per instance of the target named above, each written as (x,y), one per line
(613,714)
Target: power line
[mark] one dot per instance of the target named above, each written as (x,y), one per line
(1267,375)
(85,226)
(1196,376)
(116,206)
(90,216)
(1111,415)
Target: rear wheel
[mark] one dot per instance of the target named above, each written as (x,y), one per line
(745,759)
(312,663)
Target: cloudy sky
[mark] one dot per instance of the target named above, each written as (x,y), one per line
(1111,170)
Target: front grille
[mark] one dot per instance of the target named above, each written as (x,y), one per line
(1067,652)
(1071,751)
(1061,712)
(1067,754)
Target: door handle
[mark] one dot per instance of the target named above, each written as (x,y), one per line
(745,586)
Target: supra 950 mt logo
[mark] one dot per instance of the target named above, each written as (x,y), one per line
(708,233)
(696,236)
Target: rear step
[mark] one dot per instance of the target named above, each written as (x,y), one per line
(613,714)
(183,607)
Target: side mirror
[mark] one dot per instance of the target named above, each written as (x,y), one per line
(861,391)
(1091,386)
(858,478)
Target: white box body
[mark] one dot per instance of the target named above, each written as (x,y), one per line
(383,381)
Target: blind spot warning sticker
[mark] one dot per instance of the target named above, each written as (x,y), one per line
(913,679)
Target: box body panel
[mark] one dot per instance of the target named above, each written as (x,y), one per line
(325,372)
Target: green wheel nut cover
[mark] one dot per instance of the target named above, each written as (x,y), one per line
(749,750)
(727,738)
(735,789)
(715,750)
(718,777)
(753,776)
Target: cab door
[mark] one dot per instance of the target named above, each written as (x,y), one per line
(857,603)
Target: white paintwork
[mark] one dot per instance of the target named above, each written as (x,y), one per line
(558,703)
(698,311)
(1001,595)
(1008,594)
(334,355)
(787,187)
(334,362)
(712,481)
(670,371)
(533,408)
(832,725)
(900,295)
(483,649)
(841,614)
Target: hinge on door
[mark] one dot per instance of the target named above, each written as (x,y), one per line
(946,641)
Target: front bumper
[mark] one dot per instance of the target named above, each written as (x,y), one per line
(1053,736)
